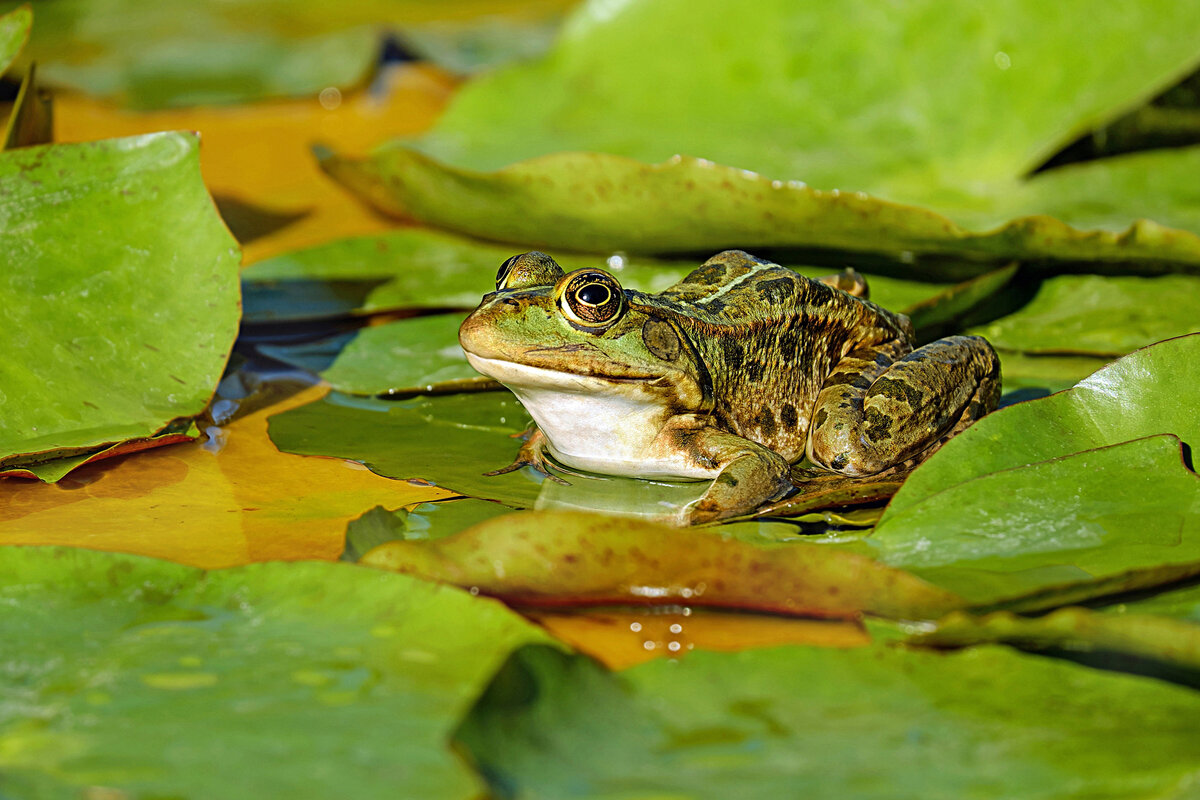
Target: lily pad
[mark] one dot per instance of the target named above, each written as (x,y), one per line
(1053,373)
(877,722)
(140,675)
(121,287)
(53,469)
(406,356)
(1136,396)
(1183,604)
(568,558)
(1105,316)
(599,202)
(14,31)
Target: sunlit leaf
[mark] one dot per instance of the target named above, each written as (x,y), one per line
(1137,396)
(154,679)
(234,500)
(410,355)
(1052,372)
(1162,640)
(14,30)
(31,120)
(593,201)
(1102,316)
(875,722)
(568,558)
(119,292)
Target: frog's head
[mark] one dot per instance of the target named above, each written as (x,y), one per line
(577,332)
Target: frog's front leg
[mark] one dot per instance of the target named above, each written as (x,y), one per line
(532,454)
(880,407)
(750,474)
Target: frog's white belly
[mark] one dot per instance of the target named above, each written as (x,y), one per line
(593,424)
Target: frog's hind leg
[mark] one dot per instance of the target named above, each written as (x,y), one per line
(876,411)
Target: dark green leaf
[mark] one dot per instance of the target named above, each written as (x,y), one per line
(119,290)
(304,680)
(878,722)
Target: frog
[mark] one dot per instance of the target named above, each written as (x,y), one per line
(733,375)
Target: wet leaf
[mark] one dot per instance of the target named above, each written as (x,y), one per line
(358,676)
(569,558)
(406,356)
(423,521)
(1137,396)
(31,120)
(1161,640)
(233,500)
(877,722)
(123,283)
(445,441)
(1106,316)
(14,31)
(605,202)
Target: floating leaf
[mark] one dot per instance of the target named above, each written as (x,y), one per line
(14,31)
(941,314)
(1134,397)
(53,469)
(358,676)
(1181,604)
(605,202)
(568,558)
(407,356)
(424,521)
(867,99)
(877,722)
(1053,532)
(32,118)
(1053,373)
(1089,314)
(233,500)
(122,283)
(1164,641)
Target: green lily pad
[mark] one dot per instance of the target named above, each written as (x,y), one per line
(158,680)
(942,313)
(545,558)
(448,441)
(14,31)
(1164,641)
(1106,316)
(121,284)
(1136,396)
(1183,604)
(1053,373)
(423,521)
(55,468)
(868,99)
(406,356)
(599,202)
(877,722)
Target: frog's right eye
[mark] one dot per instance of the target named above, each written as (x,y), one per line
(590,298)
(527,271)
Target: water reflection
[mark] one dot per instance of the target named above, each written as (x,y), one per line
(656,501)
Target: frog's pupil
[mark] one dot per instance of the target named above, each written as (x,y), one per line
(593,294)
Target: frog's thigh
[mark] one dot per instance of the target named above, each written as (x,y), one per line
(749,476)
(874,414)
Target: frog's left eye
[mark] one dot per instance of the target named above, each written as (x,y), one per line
(590,298)
(528,270)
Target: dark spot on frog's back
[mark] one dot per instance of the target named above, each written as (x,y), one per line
(899,390)
(766,421)
(733,353)
(776,289)
(788,416)
(661,339)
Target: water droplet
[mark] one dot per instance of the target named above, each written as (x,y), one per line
(676,628)
(649,645)
(635,626)
(1002,60)
(673,647)
(330,98)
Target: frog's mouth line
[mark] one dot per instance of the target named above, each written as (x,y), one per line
(525,375)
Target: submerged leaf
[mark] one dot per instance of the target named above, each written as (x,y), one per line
(878,722)
(359,676)
(569,558)
(120,285)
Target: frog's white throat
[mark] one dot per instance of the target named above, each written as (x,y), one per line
(592,423)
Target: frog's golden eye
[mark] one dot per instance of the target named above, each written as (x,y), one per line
(590,298)
(528,270)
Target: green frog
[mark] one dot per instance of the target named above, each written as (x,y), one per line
(731,375)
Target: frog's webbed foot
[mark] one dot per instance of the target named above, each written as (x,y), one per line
(531,454)
(752,475)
